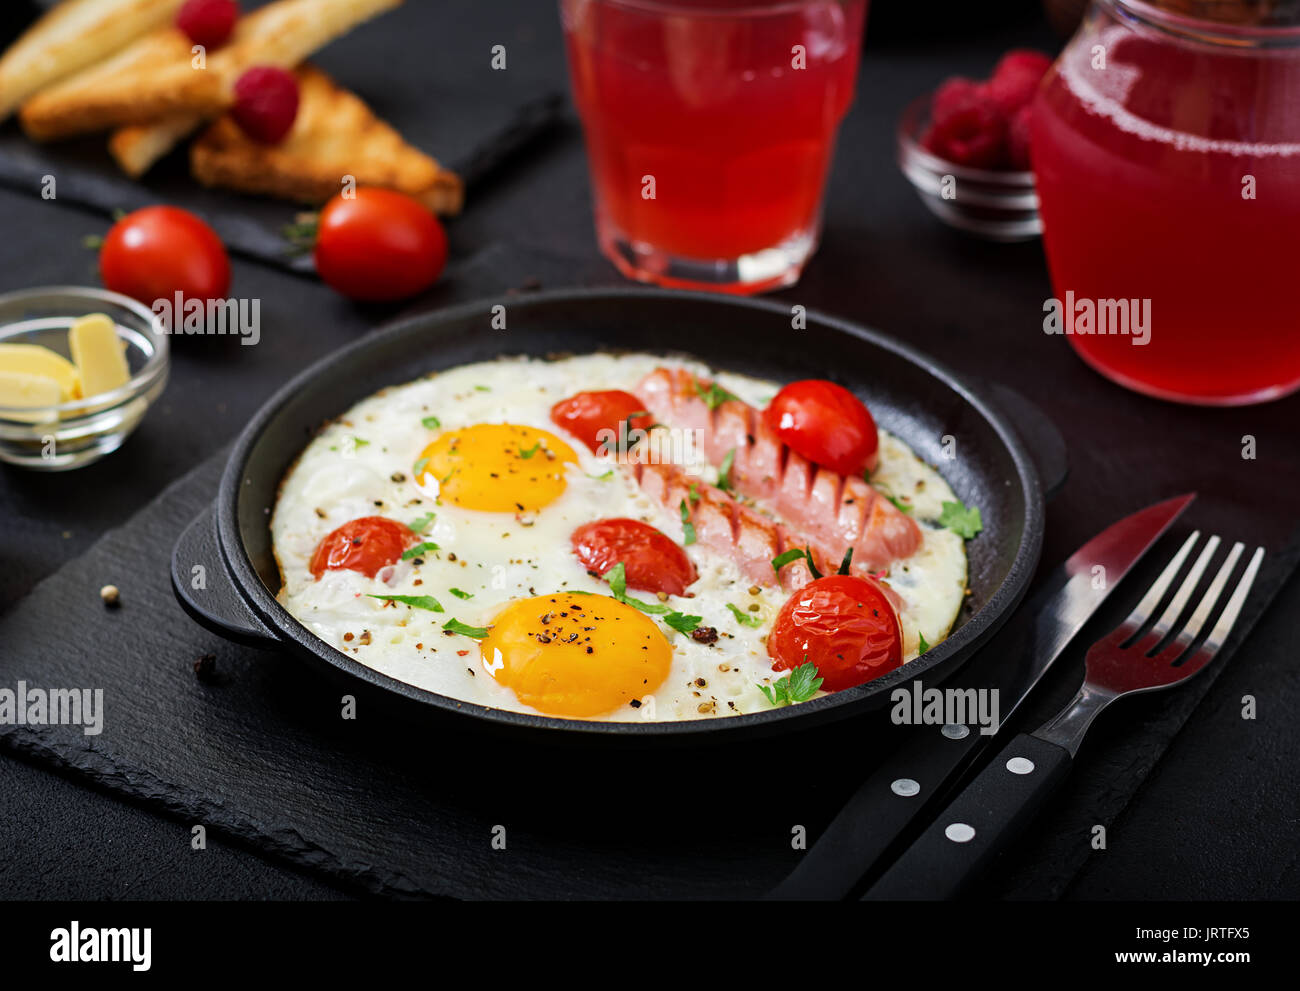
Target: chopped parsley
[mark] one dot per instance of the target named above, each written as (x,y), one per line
(724,472)
(923,645)
(799,685)
(694,494)
(418,470)
(473,632)
(417,601)
(962,520)
(481,388)
(432,422)
(901,506)
(425,547)
(359,442)
(682,623)
(714,396)
(688,528)
(531,451)
(603,478)
(617,578)
(745,618)
(461,594)
(794,554)
(422,523)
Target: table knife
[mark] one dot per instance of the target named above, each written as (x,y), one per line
(930,758)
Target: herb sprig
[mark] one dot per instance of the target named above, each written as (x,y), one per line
(799,685)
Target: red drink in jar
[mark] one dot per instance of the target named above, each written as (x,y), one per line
(710,126)
(1167,158)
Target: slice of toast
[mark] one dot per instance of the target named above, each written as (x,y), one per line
(334,135)
(158,80)
(72,36)
(150,78)
(282,34)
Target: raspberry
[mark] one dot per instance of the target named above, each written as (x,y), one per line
(266,103)
(969,130)
(952,94)
(1016,78)
(1018,137)
(208,22)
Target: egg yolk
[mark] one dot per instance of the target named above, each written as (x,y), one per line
(498,467)
(576,655)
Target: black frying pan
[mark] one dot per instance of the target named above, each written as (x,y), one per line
(908,393)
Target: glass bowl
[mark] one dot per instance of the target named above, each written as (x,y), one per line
(998,206)
(78,432)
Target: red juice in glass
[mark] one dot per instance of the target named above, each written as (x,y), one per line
(710,126)
(1168,169)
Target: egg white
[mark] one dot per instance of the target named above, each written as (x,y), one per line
(361,465)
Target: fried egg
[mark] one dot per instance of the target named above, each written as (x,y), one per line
(491,606)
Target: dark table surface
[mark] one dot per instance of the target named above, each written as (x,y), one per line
(1224,790)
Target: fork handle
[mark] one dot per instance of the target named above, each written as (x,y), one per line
(984,817)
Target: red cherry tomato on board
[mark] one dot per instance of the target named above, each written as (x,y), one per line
(156,252)
(651,561)
(826,424)
(379,245)
(586,414)
(842,623)
(365,544)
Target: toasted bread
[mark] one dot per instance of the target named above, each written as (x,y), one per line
(334,135)
(72,36)
(282,34)
(155,80)
(151,78)
(137,147)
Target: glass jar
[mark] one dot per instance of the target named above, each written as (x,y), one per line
(1166,150)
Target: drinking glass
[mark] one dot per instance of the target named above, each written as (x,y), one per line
(710,126)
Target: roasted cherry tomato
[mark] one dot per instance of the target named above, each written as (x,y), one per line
(379,245)
(651,561)
(156,252)
(586,414)
(825,423)
(366,545)
(842,623)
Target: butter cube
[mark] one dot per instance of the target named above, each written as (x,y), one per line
(27,391)
(97,353)
(32,359)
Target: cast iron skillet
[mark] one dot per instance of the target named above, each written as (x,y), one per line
(226,552)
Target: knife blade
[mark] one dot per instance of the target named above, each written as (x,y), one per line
(929,758)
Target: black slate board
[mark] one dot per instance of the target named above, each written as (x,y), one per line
(405,809)
(474,125)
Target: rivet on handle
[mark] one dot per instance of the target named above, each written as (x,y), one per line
(959,832)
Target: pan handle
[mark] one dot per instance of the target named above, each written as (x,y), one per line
(204,589)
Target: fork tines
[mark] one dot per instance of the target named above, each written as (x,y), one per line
(1177,649)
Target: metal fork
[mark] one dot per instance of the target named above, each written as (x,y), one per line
(1137,656)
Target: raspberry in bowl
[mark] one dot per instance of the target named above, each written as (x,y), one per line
(966,149)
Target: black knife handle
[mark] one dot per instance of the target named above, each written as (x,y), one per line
(977,824)
(880,811)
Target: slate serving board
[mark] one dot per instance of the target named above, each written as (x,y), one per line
(260,752)
(476,126)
